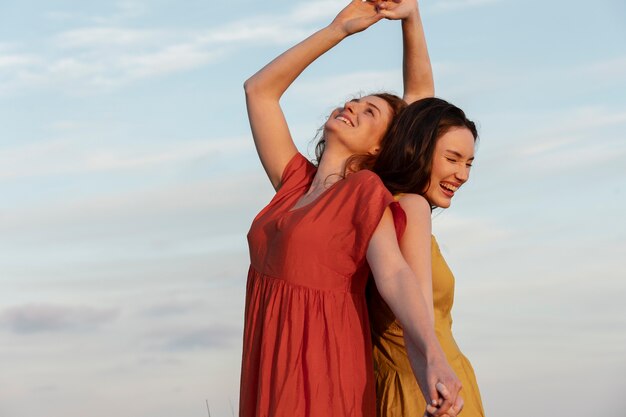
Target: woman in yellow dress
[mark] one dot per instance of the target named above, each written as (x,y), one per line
(425,158)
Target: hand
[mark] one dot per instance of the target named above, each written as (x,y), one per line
(357,16)
(435,376)
(453,411)
(446,388)
(397,9)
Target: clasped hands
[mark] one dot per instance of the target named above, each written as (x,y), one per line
(358,15)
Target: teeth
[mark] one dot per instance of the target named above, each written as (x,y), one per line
(449,186)
(346,121)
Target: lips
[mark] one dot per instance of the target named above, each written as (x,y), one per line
(448,188)
(343,118)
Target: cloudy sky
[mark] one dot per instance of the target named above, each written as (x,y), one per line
(128,182)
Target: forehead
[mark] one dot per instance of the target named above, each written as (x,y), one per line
(458,139)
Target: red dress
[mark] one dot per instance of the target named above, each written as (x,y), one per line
(306,348)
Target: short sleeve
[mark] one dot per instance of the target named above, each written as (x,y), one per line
(298,172)
(372,199)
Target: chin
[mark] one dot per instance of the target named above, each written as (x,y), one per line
(443,203)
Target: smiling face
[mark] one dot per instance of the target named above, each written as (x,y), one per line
(359,125)
(452,160)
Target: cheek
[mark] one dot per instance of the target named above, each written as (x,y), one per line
(379,130)
(437,170)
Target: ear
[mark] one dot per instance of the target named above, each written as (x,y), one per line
(375,150)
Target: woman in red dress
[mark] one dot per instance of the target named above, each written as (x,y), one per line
(307,349)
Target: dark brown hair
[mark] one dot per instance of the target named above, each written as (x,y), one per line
(366,161)
(405,160)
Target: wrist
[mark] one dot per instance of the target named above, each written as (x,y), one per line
(337,32)
(433,351)
(412,18)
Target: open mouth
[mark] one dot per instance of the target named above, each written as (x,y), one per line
(345,120)
(448,189)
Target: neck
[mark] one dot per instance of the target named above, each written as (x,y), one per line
(329,171)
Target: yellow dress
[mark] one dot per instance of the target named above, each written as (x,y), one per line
(397,391)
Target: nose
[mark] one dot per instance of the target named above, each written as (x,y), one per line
(462,173)
(351,106)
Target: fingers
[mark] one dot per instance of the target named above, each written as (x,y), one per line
(389,9)
(433,400)
(453,411)
(458,405)
(430,411)
(370,20)
(447,402)
(443,390)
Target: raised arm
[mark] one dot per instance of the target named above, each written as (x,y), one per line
(402,291)
(264,89)
(417,71)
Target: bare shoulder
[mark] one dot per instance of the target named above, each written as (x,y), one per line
(415,204)
(418,220)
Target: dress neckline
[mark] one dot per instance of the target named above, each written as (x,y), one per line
(294,209)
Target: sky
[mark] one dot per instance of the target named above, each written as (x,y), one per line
(128,181)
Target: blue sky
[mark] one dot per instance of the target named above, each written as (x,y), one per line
(129,180)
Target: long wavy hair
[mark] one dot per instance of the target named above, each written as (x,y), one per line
(362,161)
(405,160)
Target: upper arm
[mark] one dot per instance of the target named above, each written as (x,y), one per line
(416,241)
(383,252)
(270,132)
(411,98)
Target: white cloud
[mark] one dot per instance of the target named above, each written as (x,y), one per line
(563,141)
(8,61)
(316,10)
(454,5)
(253,32)
(90,37)
(203,338)
(333,90)
(614,68)
(579,119)
(284,28)
(65,156)
(54,318)
(172,59)
(124,10)
(109,55)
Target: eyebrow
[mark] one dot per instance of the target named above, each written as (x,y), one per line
(458,155)
(358,100)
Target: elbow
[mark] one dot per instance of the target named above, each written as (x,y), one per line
(425,93)
(253,85)
(256,89)
(248,86)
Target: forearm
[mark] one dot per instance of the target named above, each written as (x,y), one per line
(409,305)
(273,79)
(416,67)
